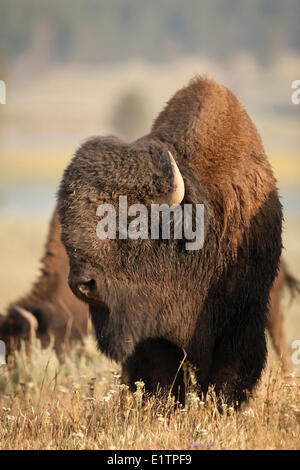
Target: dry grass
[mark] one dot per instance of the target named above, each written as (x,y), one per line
(78,404)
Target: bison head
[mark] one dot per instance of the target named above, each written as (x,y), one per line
(135,288)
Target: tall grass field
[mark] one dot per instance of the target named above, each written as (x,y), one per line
(77,401)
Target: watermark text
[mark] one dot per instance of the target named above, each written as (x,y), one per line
(296,94)
(2,92)
(161,222)
(296,353)
(2,353)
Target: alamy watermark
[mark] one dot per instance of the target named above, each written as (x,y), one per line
(296,94)
(2,353)
(296,353)
(187,222)
(2,92)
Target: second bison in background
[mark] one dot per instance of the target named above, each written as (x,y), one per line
(151,299)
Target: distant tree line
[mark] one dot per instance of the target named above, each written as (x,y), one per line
(96,31)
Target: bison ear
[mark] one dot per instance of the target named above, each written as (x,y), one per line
(177,194)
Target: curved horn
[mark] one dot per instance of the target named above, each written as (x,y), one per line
(178,190)
(29,317)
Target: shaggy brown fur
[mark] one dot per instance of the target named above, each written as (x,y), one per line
(147,294)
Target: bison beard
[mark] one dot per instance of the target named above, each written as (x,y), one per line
(151,299)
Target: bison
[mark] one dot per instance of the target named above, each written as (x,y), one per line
(152,301)
(52,310)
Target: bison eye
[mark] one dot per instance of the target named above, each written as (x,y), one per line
(73,251)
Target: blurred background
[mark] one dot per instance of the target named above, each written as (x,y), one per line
(76,68)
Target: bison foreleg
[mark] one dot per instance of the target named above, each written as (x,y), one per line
(239,359)
(156,362)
